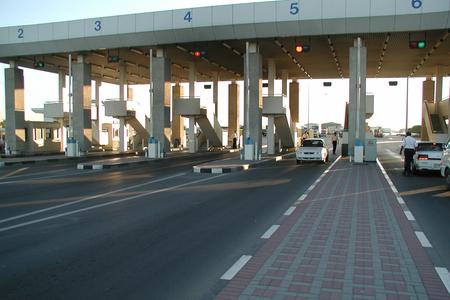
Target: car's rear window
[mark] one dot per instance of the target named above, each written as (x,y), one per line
(312,143)
(430,147)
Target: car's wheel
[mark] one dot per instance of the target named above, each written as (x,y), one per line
(447,178)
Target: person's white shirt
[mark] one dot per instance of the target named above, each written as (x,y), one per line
(409,143)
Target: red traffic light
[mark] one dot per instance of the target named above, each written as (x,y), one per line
(300,48)
(197,54)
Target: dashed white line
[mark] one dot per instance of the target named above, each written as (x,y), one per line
(270,232)
(89,198)
(400,200)
(409,215)
(290,211)
(445,277)
(228,275)
(423,239)
(302,197)
(311,188)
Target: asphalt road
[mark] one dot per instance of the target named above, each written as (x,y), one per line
(156,231)
(425,195)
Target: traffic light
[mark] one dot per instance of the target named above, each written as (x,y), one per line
(420,44)
(301,48)
(113,58)
(39,64)
(199,53)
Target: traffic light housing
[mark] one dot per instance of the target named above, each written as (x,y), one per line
(39,64)
(302,48)
(199,53)
(420,44)
(113,58)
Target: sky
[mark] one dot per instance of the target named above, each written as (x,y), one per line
(326,104)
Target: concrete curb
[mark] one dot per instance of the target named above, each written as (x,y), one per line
(240,167)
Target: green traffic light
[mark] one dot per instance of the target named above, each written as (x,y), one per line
(421,44)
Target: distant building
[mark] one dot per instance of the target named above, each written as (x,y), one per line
(331,127)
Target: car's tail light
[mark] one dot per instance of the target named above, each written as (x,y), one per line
(422,157)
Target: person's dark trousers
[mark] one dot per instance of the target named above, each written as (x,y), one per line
(409,153)
(334,147)
(234,143)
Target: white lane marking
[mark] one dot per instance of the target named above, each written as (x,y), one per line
(107,203)
(409,215)
(400,200)
(445,277)
(270,231)
(302,197)
(289,211)
(228,275)
(97,167)
(394,189)
(89,198)
(311,188)
(423,239)
(278,158)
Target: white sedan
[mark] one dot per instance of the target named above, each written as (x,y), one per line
(427,157)
(312,150)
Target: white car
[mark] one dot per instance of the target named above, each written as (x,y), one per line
(427,157)
(312,150)
(445,165)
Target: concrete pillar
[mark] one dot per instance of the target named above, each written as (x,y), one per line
(253,96)
(14,111)
(284,80)
(177,120)
(160,119)
(294,98)
(217,127)
(427,96)
(233,112)
(97,122)
(270,121)
(123,143)
(438,99)
(357,108)
(61,86)
(81,120)
(192,134)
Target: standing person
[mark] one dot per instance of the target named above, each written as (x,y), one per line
(409,145)
(334,140)
(234,140)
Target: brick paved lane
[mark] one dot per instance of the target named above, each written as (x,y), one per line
(348,238)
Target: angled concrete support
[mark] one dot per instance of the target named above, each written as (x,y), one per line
(253,100)
(15,111)
(357,108)
(82,125)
